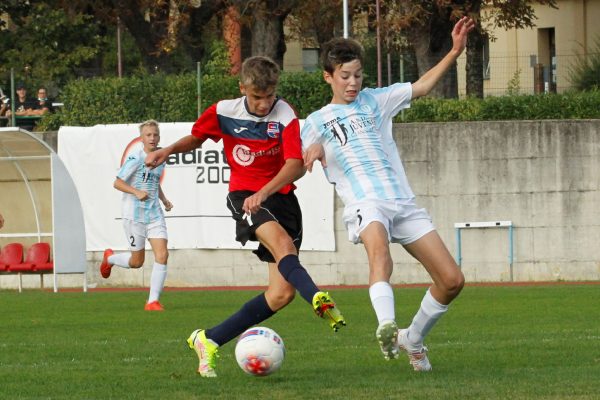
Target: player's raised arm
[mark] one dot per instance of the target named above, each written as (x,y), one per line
(187,143)
(459,41)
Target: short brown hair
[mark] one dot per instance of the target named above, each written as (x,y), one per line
(260,71)
(339,51)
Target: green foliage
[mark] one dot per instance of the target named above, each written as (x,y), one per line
(305,91)
(584,74)
(513,86)
(570,105)
(174,98)
(47,46)
(439,110)
(218,62)
(215,88)
(168,98)
(131,57)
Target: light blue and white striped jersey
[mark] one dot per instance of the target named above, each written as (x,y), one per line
(362,158)
(135,173)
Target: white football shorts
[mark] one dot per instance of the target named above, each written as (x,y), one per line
(403,221)
(138,232)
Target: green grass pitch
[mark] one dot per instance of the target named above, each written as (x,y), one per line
(513,342)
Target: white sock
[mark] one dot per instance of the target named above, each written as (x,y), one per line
(382,299)
(429,313)
(157,281)
(120,260)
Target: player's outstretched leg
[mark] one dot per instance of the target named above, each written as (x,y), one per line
(387,336)
(417,355)
(207,352)
(325,307)
(105,266)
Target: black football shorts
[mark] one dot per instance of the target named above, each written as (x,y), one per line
(281,208)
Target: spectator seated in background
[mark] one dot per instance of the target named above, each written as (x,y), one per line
(4,103)
(23,108)
(4,107)
(42,105)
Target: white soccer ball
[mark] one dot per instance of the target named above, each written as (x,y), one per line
(259,351)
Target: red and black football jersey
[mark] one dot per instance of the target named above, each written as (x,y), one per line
(255,147)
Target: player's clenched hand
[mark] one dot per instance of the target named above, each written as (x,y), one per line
(141,195)
(252,203)
(155,158)
(168,205)
(313,153)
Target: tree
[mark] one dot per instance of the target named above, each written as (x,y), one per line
(316,22)
(44,45)
(170,34)
(164,30)
(474,67)
(265,19)
(426,27)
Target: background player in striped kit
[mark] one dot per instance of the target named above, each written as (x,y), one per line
(142,214)
(352,136)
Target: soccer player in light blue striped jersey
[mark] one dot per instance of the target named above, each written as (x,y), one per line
(142,214)
(352,138)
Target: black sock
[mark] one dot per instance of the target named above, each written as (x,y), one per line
(289,266)
(253,312)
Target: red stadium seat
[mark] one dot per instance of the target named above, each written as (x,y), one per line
(3,267)
(37,256)
(37,261)
(11,254)
(44,267)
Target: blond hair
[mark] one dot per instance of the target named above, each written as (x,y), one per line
(150,122)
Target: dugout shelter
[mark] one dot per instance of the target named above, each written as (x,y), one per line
(40,203)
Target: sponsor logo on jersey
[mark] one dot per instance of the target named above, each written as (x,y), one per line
(273,129)
(242,155)
(240,129)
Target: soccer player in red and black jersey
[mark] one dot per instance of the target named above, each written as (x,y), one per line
(261,138)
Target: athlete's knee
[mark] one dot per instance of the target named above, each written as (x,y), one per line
(280,297)
(136,260)
(284,242)
(161,256)
(453,284)
(282,247)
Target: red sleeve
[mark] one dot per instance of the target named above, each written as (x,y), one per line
(207,126)
(292,146)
